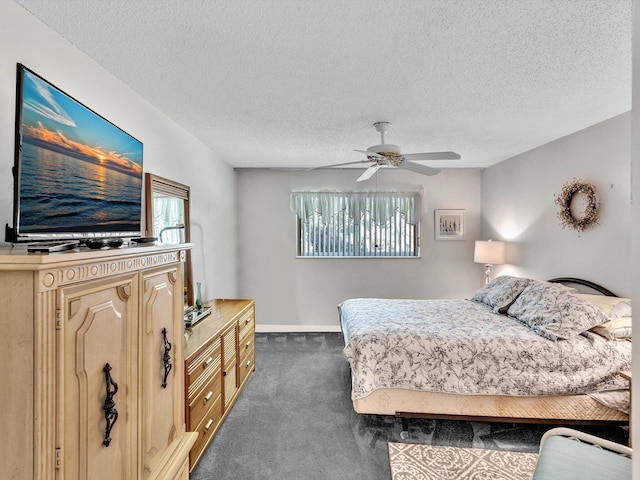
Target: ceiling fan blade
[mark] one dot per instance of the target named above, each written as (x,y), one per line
(370,154)
(418,168)
(342,164)
(432,156)
(368,173)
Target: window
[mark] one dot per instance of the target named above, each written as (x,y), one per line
(357,224)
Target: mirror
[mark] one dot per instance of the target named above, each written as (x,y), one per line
(167,218)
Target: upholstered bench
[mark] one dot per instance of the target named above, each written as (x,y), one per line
(567,454)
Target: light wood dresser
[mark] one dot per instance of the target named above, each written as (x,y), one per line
(219,358)
(92,353)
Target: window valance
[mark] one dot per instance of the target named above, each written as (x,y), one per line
(381,206)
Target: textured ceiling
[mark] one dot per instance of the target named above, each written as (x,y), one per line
(298,83)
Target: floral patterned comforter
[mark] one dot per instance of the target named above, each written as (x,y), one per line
(461,346)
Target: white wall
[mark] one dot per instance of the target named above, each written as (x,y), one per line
(515,197)
(635,211)
(169,151)
(518,207)
(303,293)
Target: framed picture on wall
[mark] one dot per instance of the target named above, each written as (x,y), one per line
(449,224)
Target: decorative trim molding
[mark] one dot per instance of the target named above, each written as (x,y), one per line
(51,279)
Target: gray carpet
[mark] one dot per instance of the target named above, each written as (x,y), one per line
(294,420)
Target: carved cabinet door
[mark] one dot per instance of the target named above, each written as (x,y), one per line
(97,372)
(161,377)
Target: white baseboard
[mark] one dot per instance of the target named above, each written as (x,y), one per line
(296,328)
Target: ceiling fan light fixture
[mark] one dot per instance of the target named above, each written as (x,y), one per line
(390,152)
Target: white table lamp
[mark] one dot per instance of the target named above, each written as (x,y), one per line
(490,253)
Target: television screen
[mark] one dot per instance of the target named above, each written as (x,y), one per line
(76,175)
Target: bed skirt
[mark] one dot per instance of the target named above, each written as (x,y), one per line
(567,408)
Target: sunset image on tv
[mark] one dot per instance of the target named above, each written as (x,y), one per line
(78,171)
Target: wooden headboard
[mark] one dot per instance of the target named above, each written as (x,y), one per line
(584,283)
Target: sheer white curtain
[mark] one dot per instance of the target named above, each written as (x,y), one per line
(168,212)
(381,206)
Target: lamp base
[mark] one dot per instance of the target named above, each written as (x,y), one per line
(487,273)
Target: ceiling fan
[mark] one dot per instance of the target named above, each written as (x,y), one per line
(386,154)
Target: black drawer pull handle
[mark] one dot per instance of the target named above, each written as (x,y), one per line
(166,358)
(110,412)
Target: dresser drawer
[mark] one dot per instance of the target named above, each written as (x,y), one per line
(199,405)
(247,323)
(206,428)
(246,343)
(202,366)
(246,365)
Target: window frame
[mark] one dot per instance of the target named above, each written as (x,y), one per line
(360,242)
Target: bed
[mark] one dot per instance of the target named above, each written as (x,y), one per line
(518,350)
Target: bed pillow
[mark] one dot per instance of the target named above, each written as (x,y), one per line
(501,292)
(553,312)
(616,329)
(612,307)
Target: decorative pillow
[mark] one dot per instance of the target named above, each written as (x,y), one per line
(616,329)
(612,307)
(501,292)
(554,313)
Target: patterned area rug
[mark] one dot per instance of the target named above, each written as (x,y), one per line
(430,462)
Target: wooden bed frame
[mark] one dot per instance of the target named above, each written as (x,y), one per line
(558,409)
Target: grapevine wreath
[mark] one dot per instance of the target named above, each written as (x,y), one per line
(590,216)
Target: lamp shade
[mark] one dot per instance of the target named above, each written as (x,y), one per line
(489,252)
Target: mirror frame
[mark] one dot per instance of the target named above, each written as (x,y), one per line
(157,184)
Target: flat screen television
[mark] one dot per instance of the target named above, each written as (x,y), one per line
(76,175)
